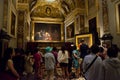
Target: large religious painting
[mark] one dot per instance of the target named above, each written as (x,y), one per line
(13,22)
(118,17)
(47,32)
(70,31)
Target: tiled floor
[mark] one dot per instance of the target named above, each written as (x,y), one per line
(32,77)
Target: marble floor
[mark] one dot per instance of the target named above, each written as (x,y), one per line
(59,77)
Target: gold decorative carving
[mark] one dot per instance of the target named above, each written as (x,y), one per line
(49,28)
(118,17)
(47,11)
(105,16)
(87,37)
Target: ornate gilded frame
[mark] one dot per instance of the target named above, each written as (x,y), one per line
(13,24)
(48,23)
(70,31)
(117,6)
(87,37)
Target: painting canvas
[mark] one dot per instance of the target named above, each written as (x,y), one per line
(47,32)
(5,14)
(118,17)
(86,37)
(70,31)
(13,21)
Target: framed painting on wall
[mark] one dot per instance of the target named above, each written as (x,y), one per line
(47,32)
(5,14)
(118,17)
(70,31)
(13,24)
(86,37)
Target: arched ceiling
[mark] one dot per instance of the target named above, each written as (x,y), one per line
(55,9)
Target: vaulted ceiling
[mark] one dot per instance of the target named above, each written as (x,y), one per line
(54,8)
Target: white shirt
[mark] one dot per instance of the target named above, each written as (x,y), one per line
(63,57)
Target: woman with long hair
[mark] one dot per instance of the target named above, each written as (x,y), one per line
(7,70)
(63,61)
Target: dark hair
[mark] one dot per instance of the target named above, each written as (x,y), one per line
(101,49)
(54,49)
(74,47)
(63,48)
(94,48)
(36,50)
(27,52)
(112,51)
(6,57)
(82,40)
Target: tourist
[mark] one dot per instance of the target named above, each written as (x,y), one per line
(7,70)
(49,63)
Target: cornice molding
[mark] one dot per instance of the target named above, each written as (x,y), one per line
(47,19)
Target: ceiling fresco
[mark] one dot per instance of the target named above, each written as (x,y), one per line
(54,8)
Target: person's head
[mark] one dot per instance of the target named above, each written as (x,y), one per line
(74,47)
(36,50)
(94,49)
(9,53)
(28,52)
(101,49)
(48,49)
(112,51)
(54,49)
(63,48)
(82,41)
(17,52)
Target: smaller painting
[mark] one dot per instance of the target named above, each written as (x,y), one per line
(13,18)
(86,37)
(70,31)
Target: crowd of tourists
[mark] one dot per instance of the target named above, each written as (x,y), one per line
(98,62)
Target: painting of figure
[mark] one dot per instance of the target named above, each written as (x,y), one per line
(70,31)
(47,32)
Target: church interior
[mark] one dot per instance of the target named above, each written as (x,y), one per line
(40,23)
(30,24)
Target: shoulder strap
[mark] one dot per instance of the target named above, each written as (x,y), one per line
(90,64)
